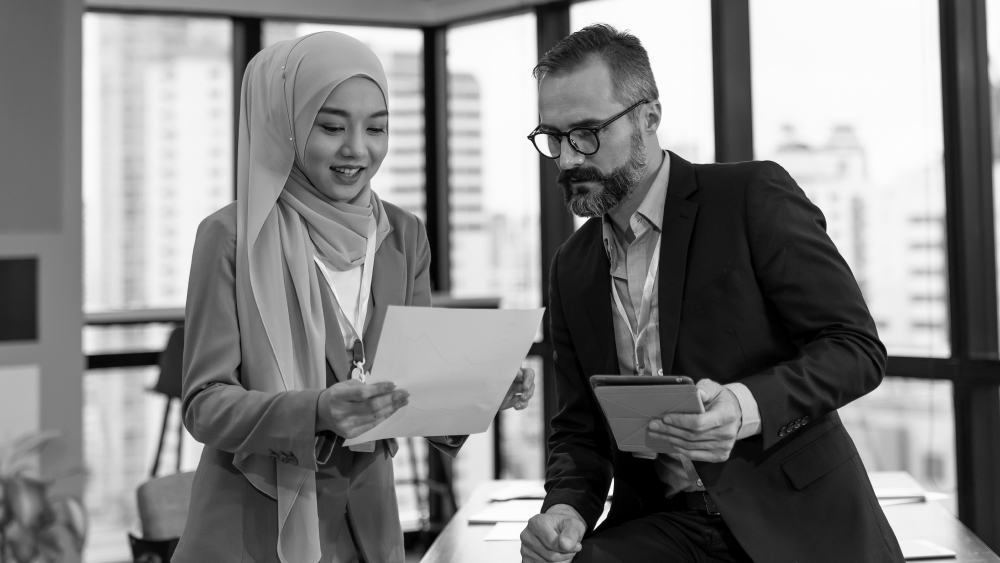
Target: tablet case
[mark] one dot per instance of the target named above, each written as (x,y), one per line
(630,408)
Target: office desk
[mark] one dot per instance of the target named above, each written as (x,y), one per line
(931,521)
(461,542)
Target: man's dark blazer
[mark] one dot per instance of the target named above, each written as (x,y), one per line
(753,290)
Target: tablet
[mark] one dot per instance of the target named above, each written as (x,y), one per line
(630,402)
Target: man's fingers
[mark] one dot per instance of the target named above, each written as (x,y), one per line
(711,456)
(708,390)
(532,556)
(697,423)
(528,384)
(545,556)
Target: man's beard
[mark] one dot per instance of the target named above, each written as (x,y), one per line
(615,187)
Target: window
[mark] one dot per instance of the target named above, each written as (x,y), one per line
(851,107)
(678,37)
(993,48)
(495,228)
(155,142)
(847,97)
(908,425)
(400,52)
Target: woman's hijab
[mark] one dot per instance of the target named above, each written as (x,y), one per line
(282,223)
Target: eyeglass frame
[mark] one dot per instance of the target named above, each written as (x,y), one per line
(594,130)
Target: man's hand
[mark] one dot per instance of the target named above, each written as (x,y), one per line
(520,391)
(709,436)
(554,536)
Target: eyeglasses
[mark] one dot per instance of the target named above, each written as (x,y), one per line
(584,140)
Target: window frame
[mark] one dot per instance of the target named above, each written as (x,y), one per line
(974,364)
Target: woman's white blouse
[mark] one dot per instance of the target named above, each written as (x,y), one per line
(347,287)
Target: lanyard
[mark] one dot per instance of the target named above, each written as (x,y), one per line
(647,297)
(358,327)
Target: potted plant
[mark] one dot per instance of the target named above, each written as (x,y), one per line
(36,527)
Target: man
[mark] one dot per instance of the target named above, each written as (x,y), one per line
(720,272)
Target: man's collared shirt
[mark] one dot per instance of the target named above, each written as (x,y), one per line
(629,267)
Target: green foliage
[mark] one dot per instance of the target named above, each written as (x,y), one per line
(35,527)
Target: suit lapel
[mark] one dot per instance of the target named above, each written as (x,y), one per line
(678,222)
(588,282)
(388,288)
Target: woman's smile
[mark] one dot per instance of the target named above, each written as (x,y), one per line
(347,174)
(348,140)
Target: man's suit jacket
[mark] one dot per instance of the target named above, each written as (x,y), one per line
(229,519)
(753,290)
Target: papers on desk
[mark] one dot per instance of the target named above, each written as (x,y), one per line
(899,487)
(509,511)
(521,490)
(457,365)
(915,550)
(510,517)
(506,531)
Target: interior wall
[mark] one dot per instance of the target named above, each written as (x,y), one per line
(40,217)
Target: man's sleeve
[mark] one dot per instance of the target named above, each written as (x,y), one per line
(750,419)
(812,289)
(579,468)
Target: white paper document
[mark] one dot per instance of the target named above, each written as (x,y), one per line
(509,511)
(457,365)
(521,490)
(506,531)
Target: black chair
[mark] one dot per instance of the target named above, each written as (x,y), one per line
(169,385)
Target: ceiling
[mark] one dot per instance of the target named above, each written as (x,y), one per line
(397,12)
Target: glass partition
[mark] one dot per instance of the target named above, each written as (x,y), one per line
(157,158)
(493,183)
(847,97)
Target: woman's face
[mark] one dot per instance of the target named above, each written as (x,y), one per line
(348,140)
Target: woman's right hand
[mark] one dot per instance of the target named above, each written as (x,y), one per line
(349,408)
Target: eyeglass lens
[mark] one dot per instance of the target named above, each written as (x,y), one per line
(584,141)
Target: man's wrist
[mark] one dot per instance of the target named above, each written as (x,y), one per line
(566,510)
(749,410)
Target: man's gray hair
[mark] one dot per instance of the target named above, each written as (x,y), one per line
(631,77)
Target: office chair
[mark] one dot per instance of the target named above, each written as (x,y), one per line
(169,385)
(163,508)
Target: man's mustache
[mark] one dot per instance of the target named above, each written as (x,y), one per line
(580,174)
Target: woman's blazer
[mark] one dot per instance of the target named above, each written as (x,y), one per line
(229,519)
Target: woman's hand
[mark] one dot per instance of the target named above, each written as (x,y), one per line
(350,407)
(520,391)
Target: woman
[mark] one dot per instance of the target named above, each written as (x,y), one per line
(289,289)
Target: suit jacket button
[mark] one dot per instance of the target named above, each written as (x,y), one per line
(782,432)
(659,371)
(292,459)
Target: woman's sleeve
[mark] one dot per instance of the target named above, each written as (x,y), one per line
(218,410)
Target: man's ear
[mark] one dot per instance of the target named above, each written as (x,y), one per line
(651,117)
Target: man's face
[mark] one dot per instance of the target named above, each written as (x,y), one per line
(592,184)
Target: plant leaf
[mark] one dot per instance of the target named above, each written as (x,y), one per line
(26,500)
(29,444)
(69,512)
